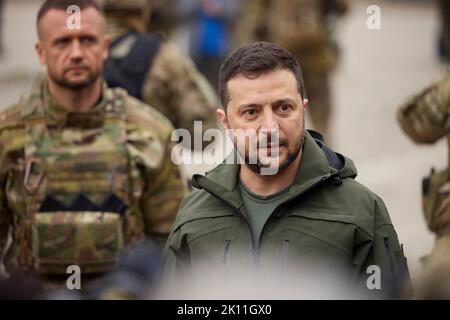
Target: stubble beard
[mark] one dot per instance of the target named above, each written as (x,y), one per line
(76,86)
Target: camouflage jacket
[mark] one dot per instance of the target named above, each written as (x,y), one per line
(296,25)
(156,188)
(174,86)
(425,116)
(425,119)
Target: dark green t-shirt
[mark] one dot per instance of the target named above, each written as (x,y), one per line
(260,208)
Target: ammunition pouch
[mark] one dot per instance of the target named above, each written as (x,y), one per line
(90,240)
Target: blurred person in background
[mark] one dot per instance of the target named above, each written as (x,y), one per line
(425,119)
(210,23)
(444,34)
(153,69)
(161,18)
(303,27)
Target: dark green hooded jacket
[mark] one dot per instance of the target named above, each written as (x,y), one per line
(328,221)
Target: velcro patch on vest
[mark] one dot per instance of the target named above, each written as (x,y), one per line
(90,167)
(93,119)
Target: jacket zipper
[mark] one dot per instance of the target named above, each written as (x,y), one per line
(258,249)
(241,211)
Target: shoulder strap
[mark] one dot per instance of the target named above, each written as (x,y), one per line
(129,71)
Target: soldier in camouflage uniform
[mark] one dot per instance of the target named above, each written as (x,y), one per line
(85,170)
(300,26)
(153,70)
(425,119)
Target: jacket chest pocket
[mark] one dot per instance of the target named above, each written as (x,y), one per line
(316,245)
(212,248)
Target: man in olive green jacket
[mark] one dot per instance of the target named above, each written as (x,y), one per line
(307,219)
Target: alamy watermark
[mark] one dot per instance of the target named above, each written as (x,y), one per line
(73,22)
(74,280)
(254,147)
(373,22)
(374,280)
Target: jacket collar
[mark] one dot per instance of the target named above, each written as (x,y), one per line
(40,103)
(314,168)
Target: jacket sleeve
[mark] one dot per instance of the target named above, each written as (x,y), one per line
(162,196)
(384,269)
(425,116)
(5,215)
(5,212)
(176,88)
(176,270)
(158,184)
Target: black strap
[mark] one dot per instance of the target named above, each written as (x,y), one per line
(81,203)
(130,71)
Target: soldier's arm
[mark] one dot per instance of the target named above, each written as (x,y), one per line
(159,187)
(176,88)
(162,197)
(9,140)
(5,216)
(425,117)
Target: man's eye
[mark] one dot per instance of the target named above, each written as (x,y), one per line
(285,108)
(87,40)
(62,42)
(250,112)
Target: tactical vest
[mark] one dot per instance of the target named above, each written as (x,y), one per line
(78,190)
(130,59)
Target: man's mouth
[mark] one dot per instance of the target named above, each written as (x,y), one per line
(272,145)
(77,69)
(271,149)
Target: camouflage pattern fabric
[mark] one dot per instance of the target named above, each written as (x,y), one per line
(176,88)
(425,116)
(119,150)
(173,85)
(425,119)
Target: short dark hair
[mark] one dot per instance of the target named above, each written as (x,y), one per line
(63,5)
(254,60)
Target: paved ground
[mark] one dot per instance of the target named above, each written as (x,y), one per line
(378,70)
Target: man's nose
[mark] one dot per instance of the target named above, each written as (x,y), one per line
(76,53)
(269,122)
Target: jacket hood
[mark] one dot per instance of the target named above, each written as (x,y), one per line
(319,163)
